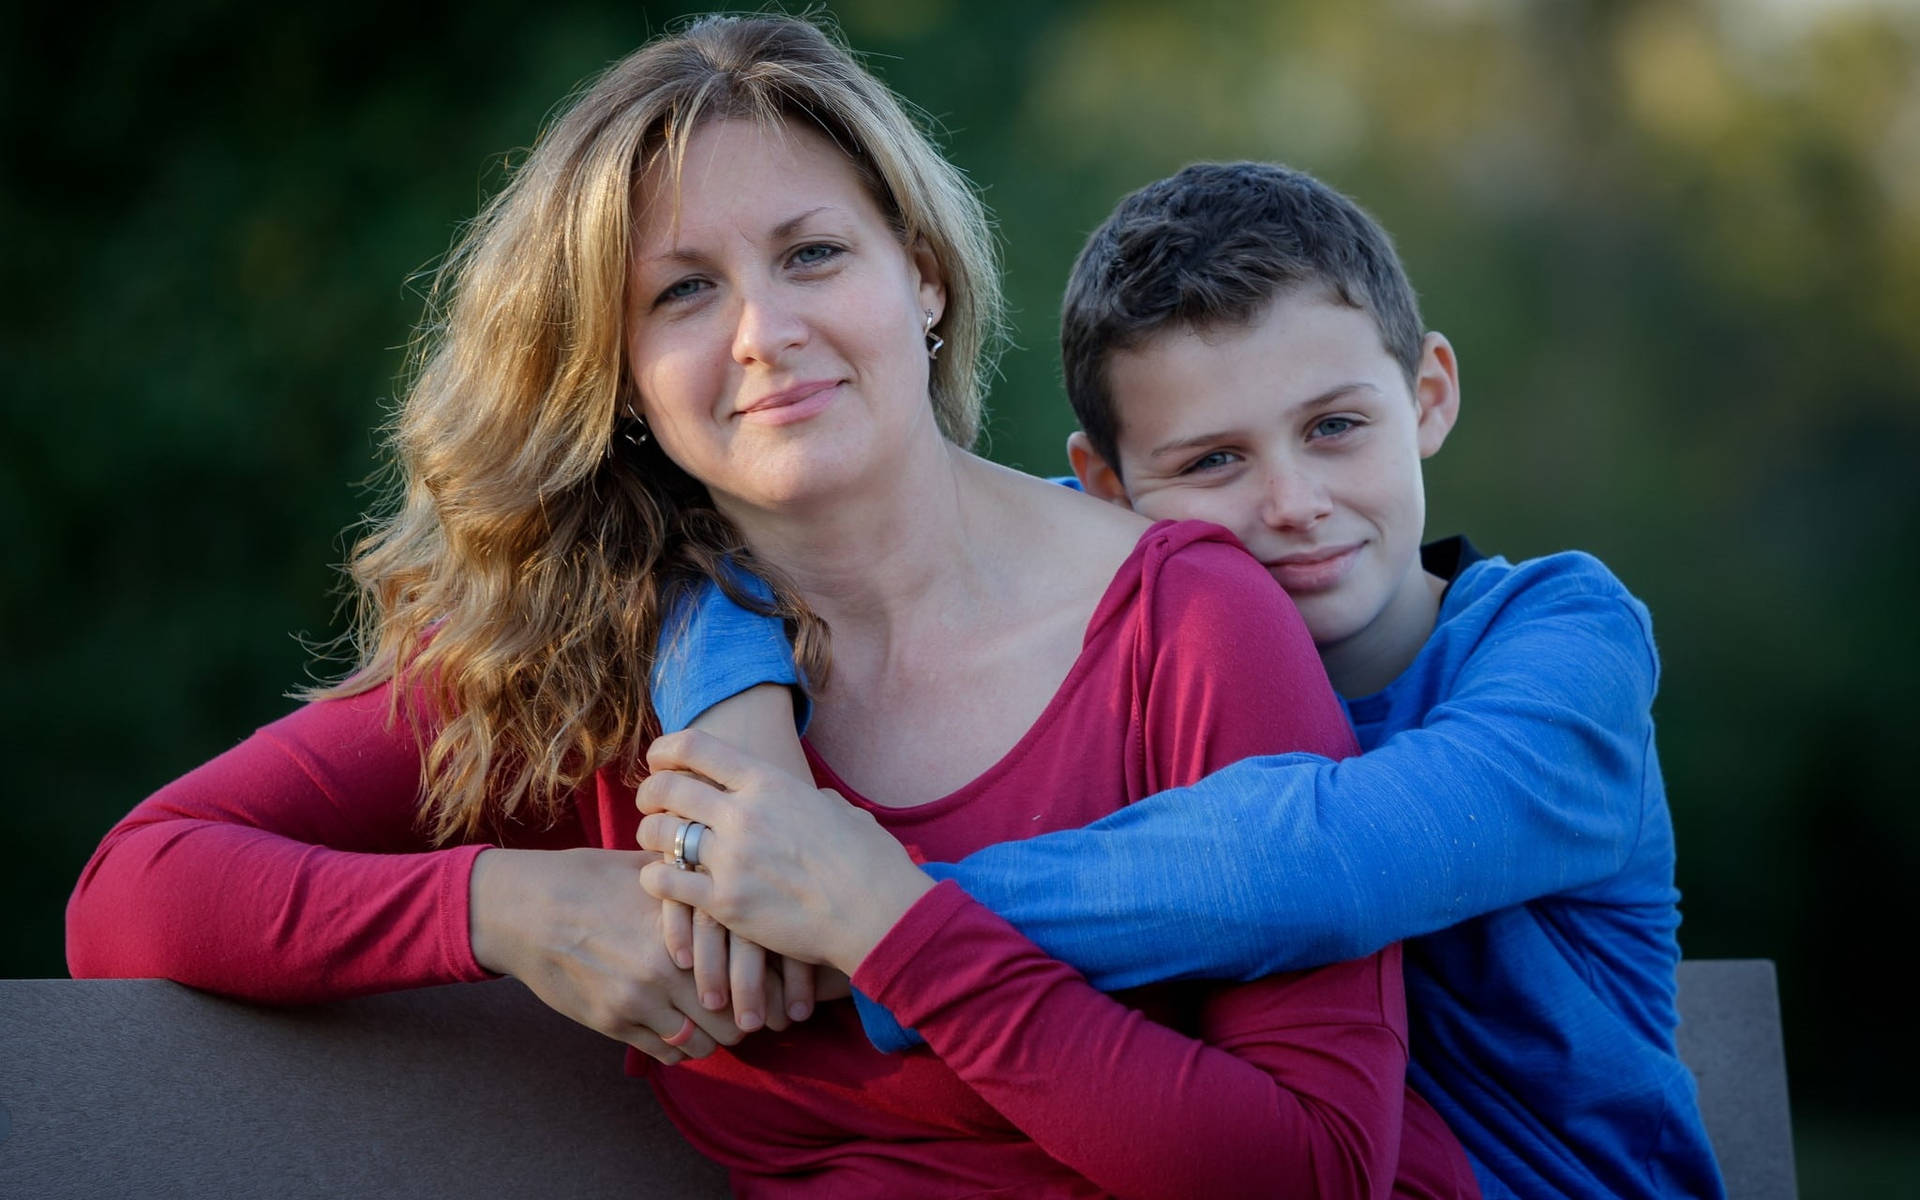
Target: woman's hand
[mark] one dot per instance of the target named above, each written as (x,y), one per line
(796,869)
(576,927)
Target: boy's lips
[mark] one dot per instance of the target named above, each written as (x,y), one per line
(1313,570)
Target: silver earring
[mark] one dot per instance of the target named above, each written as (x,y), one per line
(934,340)
(635,422)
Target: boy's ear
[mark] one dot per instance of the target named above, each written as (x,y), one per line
(1095,473)
(1436,393)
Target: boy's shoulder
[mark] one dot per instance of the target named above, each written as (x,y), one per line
(1561,625)
(1571,592)
(1475,578)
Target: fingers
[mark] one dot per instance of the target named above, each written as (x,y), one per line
(676,932)
(692,888)
(651,1044)
(703,754)
(658,830)
(776,995)
(747,975)
(709,960)
(674,791)
(687,1041)
(796,981)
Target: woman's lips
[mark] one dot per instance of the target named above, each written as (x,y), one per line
(1314,570)
(796,403)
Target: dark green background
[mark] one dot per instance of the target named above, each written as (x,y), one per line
(1676,244)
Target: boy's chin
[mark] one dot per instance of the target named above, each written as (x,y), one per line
(1329,621)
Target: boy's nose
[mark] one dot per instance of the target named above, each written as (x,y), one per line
(766,328)
(1293,500)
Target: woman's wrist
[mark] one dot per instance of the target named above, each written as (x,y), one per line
(887,902)
(492,906)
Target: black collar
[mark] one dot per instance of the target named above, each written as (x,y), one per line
(1447,558)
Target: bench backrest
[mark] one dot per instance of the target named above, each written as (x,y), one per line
(1730,1039)
(141,1087)
(145,1088)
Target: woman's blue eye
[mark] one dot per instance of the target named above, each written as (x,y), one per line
(815,254)
(682,290)
(1332,426)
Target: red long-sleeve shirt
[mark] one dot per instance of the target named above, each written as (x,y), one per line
(291,869)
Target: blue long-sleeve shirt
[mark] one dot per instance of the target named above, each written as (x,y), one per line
(1507,820)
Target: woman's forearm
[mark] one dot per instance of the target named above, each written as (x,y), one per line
(252,913)
(1307,1103)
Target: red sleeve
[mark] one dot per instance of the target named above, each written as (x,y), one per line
(1296,1083)
(289,869)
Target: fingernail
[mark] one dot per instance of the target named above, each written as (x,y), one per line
(799,1011)
(680,1035)
(713,1000)
(749,1021)
(683,959)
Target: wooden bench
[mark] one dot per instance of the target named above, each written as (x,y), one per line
(145,1088)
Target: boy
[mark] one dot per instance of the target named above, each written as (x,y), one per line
(1242,346)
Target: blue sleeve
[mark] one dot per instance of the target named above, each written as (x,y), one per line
(1527,777)
(711,649)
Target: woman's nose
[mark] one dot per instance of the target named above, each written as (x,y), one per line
(768,326)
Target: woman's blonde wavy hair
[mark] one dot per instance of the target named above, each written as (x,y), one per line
(519,589)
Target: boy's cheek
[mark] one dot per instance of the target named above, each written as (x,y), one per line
(1172,502)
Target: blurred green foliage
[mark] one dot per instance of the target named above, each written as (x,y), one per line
(1676,243)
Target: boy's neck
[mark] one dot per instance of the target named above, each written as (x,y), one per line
(1375,656)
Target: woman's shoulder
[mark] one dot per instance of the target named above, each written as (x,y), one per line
(1187,581)
(1202,547)
(1198,562)
(1069,534)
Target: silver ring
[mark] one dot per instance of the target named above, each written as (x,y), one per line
(686,845)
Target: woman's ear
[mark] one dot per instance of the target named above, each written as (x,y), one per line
(929,283)
(1097,476)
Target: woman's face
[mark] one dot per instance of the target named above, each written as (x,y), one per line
(775,322)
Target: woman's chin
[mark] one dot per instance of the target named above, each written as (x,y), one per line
(793,484)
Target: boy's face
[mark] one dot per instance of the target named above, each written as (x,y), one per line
(1300,434)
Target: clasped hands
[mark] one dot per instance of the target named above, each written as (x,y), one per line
(784,866)
(651,955)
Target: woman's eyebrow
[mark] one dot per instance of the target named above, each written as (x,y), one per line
(684,256)
(788,227)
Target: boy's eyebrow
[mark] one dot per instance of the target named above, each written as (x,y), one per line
(1336,392)
(780,232)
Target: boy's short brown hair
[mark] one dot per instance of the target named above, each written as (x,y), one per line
(1214,245)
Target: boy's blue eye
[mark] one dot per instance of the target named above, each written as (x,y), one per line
(1208,462)
(1332,426)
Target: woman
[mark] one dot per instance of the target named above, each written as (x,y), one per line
(705,322)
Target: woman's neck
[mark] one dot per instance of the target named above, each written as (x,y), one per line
(897,549)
